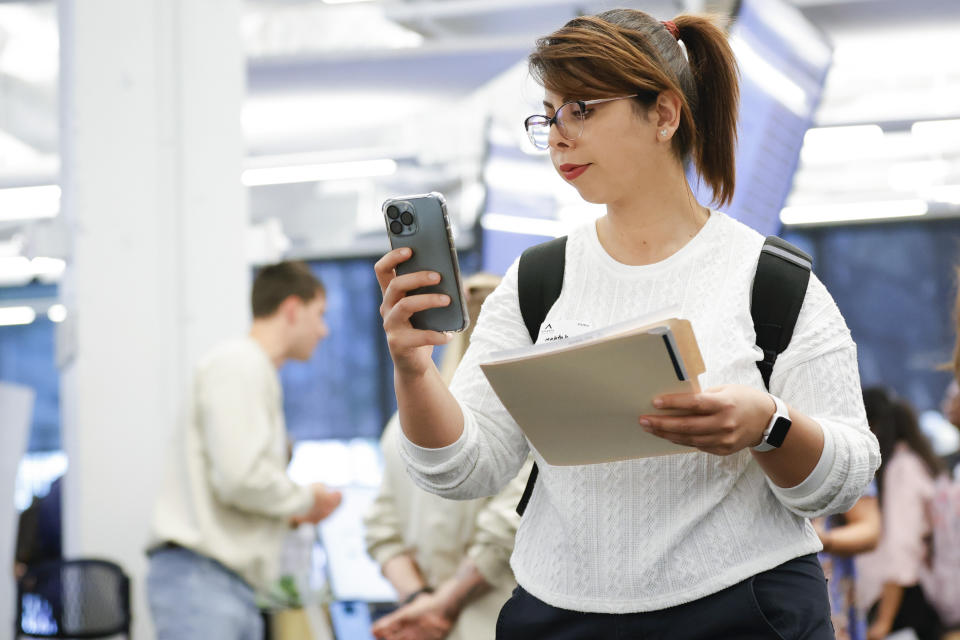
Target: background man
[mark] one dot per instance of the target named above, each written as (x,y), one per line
(226,500)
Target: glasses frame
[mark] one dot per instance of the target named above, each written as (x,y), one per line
(550,121)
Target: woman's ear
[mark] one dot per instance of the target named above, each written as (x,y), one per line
(668,109)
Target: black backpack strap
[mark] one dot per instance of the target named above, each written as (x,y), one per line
(539,282)
(540,279)
(779,287)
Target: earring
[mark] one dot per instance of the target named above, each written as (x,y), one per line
(663,133)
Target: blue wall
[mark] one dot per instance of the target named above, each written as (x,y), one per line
(895,285)
(346,389)
(27,358)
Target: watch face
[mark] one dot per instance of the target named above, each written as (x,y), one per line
(779,431)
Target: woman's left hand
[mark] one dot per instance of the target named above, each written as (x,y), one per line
(721,420)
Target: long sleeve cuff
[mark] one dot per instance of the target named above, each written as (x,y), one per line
(493,563)
(426,458)
(304,502)
(817,478)
(383,552)
(814,487)
(444,469)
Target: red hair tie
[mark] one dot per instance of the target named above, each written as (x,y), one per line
(672,28)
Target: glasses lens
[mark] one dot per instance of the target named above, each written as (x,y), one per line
(538,130)
(570,120)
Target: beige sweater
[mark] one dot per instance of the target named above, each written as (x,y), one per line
(225,493)
(439,533)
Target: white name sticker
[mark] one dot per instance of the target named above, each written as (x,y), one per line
(553,330)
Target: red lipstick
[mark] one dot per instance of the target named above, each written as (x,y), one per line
(573,171)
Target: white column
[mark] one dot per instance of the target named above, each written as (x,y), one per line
(152,151)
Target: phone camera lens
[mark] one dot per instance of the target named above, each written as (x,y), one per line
(406,218)
(393,212)
(396,227)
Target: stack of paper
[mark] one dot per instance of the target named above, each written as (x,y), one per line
(578,400)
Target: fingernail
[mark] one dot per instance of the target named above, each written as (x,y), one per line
(434,277)
(657,402)
(405,252)
(644,422)
(445,299)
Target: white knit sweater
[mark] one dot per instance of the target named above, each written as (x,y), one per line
(643,535)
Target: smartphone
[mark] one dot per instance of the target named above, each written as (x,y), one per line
(421,223)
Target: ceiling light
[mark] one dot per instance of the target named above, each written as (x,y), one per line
(317,172)
(31,43)
(944,193)
(29,203)
(519,224)
(344,1)
(15,271)
(852,211)
(12,316)
(936,128)
(834,144)
(57,313)
(48,270)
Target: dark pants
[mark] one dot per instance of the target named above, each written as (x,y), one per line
(914,613)
(788,602)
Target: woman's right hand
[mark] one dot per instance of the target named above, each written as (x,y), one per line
(410,348)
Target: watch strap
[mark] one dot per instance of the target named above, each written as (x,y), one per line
(776,431)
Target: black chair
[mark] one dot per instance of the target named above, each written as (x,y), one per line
(73,599)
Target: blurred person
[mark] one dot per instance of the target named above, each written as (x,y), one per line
(40,540)
(888,581)
(40,530)
(950,408)
(449,561)
(845,535)
(226,501)
(714,543)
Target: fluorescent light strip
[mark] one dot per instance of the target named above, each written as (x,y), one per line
(936,128)
(48,269)
(944,193)
(317,172)
(13,316)
(853,211)
(518,224)
(858,133)
(29,203)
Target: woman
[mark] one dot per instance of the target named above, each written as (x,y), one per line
(711,544)
(890,577)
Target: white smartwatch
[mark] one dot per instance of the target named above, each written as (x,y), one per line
(776,431)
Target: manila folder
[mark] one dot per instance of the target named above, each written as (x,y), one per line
(578,401)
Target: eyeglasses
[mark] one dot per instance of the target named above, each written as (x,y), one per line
(568,118)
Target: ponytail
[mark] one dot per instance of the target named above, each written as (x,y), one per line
(714,70)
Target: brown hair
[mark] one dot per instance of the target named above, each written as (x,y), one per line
(277,282)
(624,51)
(894,420)
(956,325)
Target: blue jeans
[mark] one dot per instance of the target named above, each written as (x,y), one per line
(195,598)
